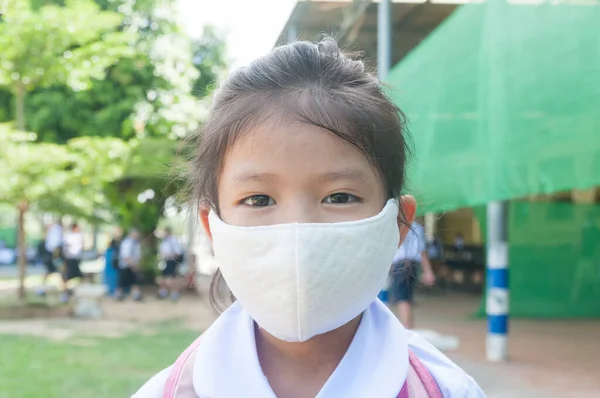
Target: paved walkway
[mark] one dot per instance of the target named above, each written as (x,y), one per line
(548,358)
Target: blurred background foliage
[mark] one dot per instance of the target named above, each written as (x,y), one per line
(95,99)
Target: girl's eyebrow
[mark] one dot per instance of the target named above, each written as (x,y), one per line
(247,176)
(330,176)
(346,174)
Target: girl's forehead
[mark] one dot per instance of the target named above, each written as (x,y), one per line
(293,147)
(292,139)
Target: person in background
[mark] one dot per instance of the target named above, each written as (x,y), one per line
(111,267)
(52,256)
(73,252)
(40,251)
(130,256)
(45,257)
(171,253)
(435,249)
(459,241)
(409,256)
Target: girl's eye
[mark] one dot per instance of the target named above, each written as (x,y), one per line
(340,199)
(258,201)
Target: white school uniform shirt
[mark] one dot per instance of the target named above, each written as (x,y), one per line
(54,238)
(414,244)
(170,247)
(73,245)
(130,249)
(375,365)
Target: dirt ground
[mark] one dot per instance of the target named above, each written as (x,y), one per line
(547,358)
(122,317)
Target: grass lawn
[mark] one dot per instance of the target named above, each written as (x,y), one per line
(33,367)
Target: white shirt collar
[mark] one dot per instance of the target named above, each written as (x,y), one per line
(375,364)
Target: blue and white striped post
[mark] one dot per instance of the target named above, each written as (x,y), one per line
(384,63)
(384,294)
(497,300)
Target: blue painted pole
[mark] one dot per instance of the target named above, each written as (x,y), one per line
(497,297)
(384,50)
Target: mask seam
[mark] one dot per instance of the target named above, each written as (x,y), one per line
(300,334)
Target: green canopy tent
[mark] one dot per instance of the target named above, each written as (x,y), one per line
(504,102)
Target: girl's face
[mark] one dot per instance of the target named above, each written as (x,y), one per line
(297,172)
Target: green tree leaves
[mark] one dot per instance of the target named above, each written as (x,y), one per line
(109,87)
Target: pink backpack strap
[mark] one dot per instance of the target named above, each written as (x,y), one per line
(180,381)
(404,390)
(419,380)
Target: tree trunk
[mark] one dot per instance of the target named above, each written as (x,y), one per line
(20,107)
(22,207)
(22,250)
(95,232)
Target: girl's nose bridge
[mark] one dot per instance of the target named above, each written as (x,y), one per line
(302,210)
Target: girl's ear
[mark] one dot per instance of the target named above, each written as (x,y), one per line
(406,216)
(203,212)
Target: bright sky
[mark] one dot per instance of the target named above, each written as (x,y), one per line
(251,26)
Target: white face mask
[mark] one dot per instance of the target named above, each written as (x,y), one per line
(301,280)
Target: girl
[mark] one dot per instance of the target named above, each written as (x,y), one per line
(299,173)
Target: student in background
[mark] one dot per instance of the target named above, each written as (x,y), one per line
(73,252)
(459,241)
(409,257)
(171,253)
(130,256)
(52,253)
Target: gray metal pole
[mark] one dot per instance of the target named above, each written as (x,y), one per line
(384,48)
(384,38)
(497,300)
(292,33)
